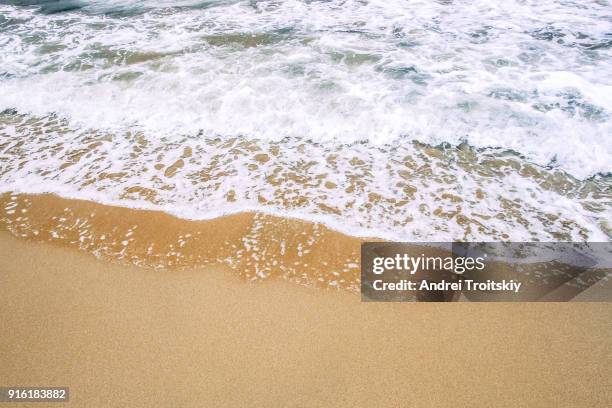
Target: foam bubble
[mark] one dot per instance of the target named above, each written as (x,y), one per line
(529,80)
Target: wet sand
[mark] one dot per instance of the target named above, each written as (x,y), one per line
(121,335)
(255,246)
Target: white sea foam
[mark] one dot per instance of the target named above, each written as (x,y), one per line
(531,77)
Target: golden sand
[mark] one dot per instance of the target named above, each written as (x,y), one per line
(256,246)
(124,336)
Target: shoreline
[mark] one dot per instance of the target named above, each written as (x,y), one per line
(306,204)
(255,245)
(122,335)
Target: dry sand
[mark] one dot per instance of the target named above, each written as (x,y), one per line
(123,336)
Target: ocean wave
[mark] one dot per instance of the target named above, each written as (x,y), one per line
(375,81)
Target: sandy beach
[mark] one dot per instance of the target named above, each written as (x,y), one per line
(128,336)
(208,203)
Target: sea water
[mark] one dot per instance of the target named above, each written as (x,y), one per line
(397,119)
